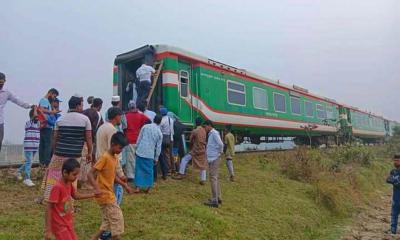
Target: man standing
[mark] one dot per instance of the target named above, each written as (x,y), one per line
(71,131)
(106,130)
(89,100)
(6,96)
(143,108)
(46,133)
(167,130)
(229,140)
(93,113)
(103,144)
(214,149)
(132,86)
(143,74)
(116,102)
(197,153)
(135,120)
(147,153)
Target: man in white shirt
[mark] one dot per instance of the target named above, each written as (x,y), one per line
(167,129)
(214,150)
(6,96)
(143,75)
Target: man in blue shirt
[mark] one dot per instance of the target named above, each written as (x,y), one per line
(148,150)
(394,179)
(46,133)
(214,149)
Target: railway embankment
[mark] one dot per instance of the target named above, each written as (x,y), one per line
(300,194)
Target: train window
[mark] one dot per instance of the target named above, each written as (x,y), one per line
(309,109)
(329,113)
(236,93)
(295,104)
(260,98)
(184,83)
(321,112)
(279,102)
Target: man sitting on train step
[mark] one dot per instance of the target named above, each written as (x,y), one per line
(143,74)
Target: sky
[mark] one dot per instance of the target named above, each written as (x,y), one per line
(347,50)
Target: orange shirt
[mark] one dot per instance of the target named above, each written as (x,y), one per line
(106,170)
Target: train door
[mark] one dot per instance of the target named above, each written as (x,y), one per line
(387,127)
(186,83)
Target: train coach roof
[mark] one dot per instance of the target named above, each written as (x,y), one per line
(134,54)
(162,48)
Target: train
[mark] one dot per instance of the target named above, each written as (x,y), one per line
(258,108)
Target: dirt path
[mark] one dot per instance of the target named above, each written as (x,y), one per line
(373,222)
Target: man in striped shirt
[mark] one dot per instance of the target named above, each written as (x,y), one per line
(72,130)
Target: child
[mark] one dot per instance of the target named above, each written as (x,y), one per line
(59,208)
(229,151)
(394,179)
(31,146)
(105,169)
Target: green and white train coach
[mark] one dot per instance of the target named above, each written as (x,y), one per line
(191,85)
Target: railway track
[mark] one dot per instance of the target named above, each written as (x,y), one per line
(17,164)
(263,151)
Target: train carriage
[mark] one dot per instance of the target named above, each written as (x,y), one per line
(191,85)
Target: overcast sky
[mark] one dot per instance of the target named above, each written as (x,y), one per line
(347,50)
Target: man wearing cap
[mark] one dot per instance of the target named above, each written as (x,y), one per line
(6,96)
(143,74)
(46,132)
(135,120)
(116,102)
(167,129)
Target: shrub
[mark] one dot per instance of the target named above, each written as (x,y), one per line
(302,166)
(336,195)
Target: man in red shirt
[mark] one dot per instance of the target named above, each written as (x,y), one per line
(135,120)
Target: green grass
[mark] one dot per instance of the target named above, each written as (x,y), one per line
(262,204)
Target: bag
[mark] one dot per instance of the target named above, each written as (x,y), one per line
(42,118)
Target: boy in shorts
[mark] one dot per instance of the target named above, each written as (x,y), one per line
(105,172)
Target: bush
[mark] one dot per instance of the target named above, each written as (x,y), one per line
(336,195)
(302,166)
(340,177)
(363,156)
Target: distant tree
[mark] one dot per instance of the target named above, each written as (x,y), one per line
(396,132)
(393,145)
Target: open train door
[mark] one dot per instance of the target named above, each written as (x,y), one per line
(125,66)
(186,84)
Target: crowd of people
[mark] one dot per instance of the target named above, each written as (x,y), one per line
(122,152)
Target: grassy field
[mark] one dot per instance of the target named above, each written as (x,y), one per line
(276,196)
